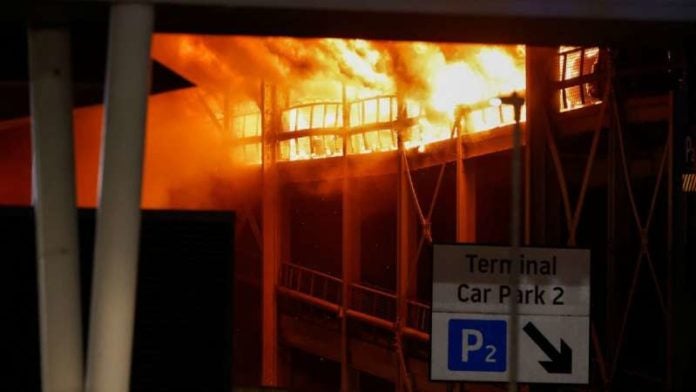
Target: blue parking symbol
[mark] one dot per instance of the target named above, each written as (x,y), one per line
(477,345)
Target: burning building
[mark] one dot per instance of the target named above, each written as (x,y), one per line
(345,159)
(350,157)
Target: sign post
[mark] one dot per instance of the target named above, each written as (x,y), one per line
(471,328)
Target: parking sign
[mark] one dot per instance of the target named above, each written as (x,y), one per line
(471,329)
(477,345)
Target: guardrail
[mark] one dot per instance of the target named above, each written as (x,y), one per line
(310,282)
(369,304)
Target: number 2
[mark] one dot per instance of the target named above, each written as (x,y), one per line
(558,300)
(491,353)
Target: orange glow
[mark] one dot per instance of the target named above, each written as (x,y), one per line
(332,95)
(184,165)
(365,91)
(574,63)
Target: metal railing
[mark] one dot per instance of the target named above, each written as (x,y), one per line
(320,115)
(418,316)
(310,282)
(375,302)
(366,303)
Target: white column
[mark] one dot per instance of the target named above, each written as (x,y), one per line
(118,219)
(55,211)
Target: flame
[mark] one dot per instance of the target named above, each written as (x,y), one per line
(456,84)
(365,91)
(339,96)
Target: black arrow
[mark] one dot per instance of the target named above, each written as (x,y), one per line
(561,362)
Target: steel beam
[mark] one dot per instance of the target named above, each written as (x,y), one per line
(55,210)
(112,313)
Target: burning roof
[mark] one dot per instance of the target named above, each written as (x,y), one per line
(345,85)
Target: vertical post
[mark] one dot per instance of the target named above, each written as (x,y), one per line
(55,210)
(404,243)
(270,205)
(112,313)
(350,252)
(403,224)
(465,191)
(681,293)
(670,247)
(540,64)
(347,240)
(515,224)
(612,306)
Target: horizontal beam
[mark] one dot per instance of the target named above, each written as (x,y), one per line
(534,22)
(638,10)
(372,320)
(326,305)
(354,314)
(384,163)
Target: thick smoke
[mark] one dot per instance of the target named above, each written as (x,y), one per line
(237,64)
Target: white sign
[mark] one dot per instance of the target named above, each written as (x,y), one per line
(470,323)
(475,279)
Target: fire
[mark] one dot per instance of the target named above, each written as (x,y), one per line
(576,62)
(368,92)
(456,84)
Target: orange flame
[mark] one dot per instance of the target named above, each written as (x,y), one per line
(363,90)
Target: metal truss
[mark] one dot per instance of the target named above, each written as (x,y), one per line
(609,102)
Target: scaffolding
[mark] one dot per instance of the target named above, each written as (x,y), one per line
(399,311)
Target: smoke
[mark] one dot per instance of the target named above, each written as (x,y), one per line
(187,162)
(413,70)
(411,64)
(237,64)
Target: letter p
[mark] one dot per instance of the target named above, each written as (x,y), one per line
(469,344)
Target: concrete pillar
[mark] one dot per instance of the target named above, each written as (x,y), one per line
(615,192)
(541,101)
(406,225)
(112,310)
(465,193)
(270,206)
(351,250)
(55,210)
(515,227)
(405,236)
(351,219)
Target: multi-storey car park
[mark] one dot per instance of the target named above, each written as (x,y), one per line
(340,186)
